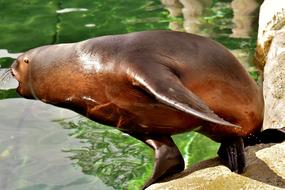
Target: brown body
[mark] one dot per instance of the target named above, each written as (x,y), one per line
(147,84)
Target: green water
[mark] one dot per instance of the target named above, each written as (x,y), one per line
(43,147)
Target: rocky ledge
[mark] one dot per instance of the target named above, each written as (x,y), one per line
(265,170)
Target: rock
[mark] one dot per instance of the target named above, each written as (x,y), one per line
(264,171)
(271,19)
(274,83)
(270,55)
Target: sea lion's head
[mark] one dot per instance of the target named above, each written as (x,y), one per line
(26,70)
(20,69)
(43,71)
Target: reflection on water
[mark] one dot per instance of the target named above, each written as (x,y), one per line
(192,13)
(244,16)
(240,17)
(175,11)
(31,145)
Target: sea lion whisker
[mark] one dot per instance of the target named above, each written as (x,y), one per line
(7,75)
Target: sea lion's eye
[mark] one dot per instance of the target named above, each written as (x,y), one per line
(26,60)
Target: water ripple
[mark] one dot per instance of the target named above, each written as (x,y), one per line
(68,10)
(5,53)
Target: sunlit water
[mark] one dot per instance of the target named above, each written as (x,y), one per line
(44,147)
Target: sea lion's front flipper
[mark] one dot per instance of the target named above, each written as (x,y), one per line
(168,159)
(165,86)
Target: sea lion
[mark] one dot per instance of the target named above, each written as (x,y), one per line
(151,85)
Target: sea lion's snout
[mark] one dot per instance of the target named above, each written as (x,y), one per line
(13,72)
(16,70)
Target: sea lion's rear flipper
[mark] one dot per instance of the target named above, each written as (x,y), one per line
(159,81)
(232,154)
(168,159)
(266,136)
